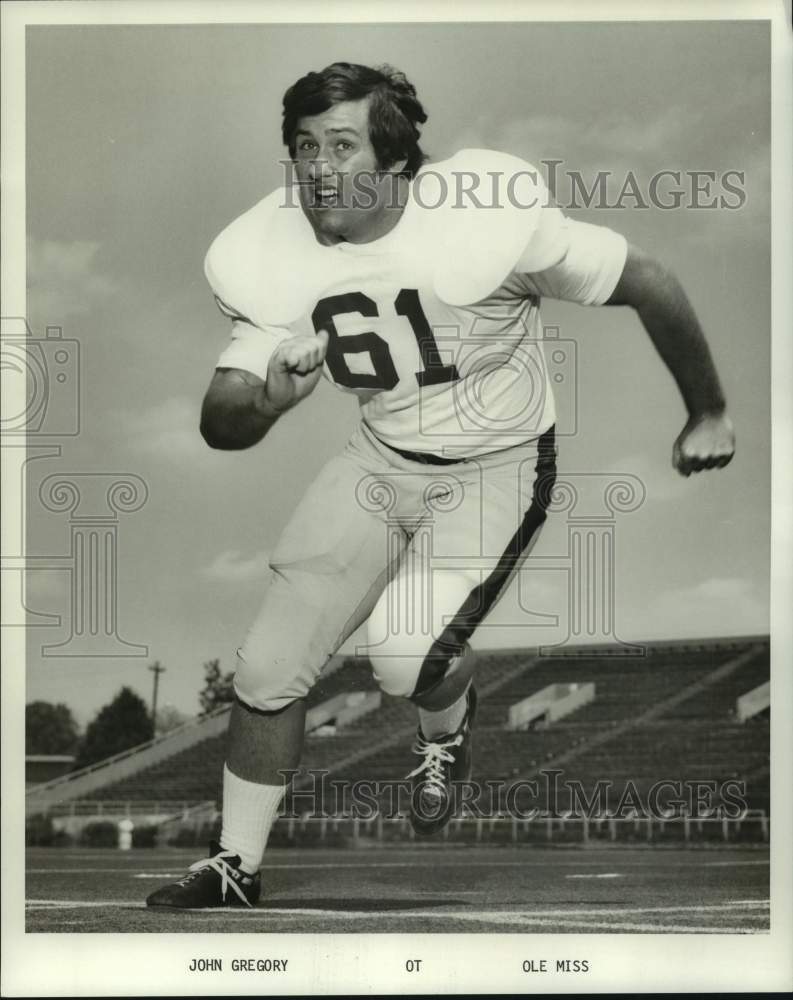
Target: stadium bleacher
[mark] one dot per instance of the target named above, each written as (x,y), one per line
(669,714)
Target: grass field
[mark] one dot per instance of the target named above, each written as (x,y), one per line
(418,889)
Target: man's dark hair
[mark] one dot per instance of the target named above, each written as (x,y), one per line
(394,110)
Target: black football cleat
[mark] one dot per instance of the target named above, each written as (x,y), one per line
(445,765)
(216,881)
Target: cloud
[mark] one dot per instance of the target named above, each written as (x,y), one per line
(231,566)
(751,218)
(661,480)
(607,141)
(718,605)
(65,279)
(633,152)
(168,428)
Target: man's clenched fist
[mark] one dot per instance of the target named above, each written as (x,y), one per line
(294,369)
(706,442)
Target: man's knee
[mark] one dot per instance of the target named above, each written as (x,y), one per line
(432,679)
(395,675)
(268,681)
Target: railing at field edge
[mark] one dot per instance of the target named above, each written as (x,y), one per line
(552,826)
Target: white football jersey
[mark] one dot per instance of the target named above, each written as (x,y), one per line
(435,326)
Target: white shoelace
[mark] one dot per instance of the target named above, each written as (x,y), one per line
(435,756)
(218,864)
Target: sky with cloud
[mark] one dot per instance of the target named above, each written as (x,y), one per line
(144,142)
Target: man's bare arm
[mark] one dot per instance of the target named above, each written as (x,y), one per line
(235,413)
(708,440)
(240,408)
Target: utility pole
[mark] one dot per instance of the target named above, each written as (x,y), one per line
(156,669)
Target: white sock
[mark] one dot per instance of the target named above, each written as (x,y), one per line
(249,810)
(448,720)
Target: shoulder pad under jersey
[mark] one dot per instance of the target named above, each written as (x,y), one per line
(471,218)
(479,210)
(262,264)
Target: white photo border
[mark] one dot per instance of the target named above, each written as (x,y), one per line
(142,964)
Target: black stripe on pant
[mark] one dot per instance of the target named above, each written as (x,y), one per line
(482,598)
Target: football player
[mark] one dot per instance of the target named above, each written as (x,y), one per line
(406,285)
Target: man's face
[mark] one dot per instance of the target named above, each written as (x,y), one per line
(341,191)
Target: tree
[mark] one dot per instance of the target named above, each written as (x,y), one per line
(168,718)
(50,729)
(218,688)
(122,724)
